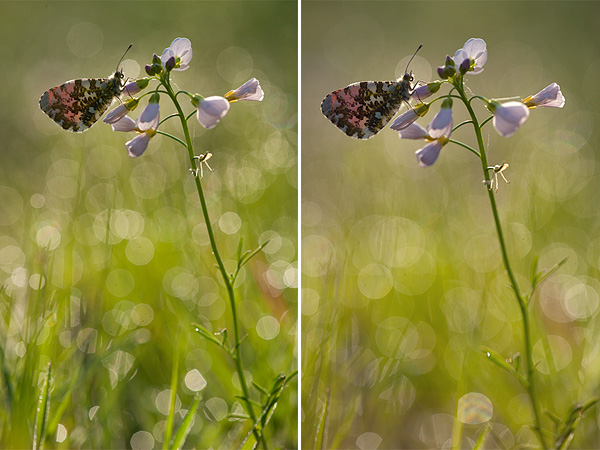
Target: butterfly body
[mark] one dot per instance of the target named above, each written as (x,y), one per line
(77,104)
(362,109)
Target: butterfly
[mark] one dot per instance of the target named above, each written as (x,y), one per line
(362,109)
(76,105)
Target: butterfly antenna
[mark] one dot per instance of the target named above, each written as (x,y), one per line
(130,45)
(412,57)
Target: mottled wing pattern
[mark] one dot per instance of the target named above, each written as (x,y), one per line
(77,104)
(362,109)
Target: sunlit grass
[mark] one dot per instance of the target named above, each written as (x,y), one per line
(105,262)
(403,284)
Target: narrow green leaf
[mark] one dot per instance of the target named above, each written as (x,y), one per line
(321,436)
(186,425)
(547,272)
(258,387)
(481,438)
(206,334)
(41,415)
(64,403)
(239,250)
(174,376)
(248,256)
(534,270)
(501,362)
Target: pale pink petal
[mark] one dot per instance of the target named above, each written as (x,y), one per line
(441,125)
(250,90)
(149,117)
(116,114)
(180,48)
(125,124)
(427,155)
(211,110)
(404,120)
(549,97)
(138,144)
(413,131)
(508,117)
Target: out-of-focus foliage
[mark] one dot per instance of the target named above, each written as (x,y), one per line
(105,260)
(403,282)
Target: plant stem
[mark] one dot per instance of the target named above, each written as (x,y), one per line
(237,354)
(523,305)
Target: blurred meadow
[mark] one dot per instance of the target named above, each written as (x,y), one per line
(105,260)
(402,277)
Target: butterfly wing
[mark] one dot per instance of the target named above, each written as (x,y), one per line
(362,109)
(77,104)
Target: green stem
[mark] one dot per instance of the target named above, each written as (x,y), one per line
(237,354)
(513,280)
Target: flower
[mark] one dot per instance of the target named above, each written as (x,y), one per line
(250,90)
(135,86)
(410,116)
(422,92)
(181,50)
(121,111)
(508,117)
(549,97)
(437,134)
(146,125)
(475,51)
(210,110)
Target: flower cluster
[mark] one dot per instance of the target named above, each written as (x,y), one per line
(210,110)
(507,116)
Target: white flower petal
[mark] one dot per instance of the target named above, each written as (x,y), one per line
(250,90)
(549,97)
(138,144)
(211,110)
(116,114)
(413,131)
(475,49)
(125,124)
(427,155)
(442,123)
(180,48)
(404,120)
(149,117)
(508,117)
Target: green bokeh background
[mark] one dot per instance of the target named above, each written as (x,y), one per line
(402,276)
(121,243)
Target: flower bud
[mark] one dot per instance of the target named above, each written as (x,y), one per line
(154,98)
(441,70)
(170,64)
(149,69)
(449,61)
(465,66)
(155,59)
(196,99)
(447,103)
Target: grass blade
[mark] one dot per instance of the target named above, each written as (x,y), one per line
(321,436)
(41,415)
(481,438)
(172,400)
(185,426)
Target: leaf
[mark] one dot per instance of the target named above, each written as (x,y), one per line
(481,438)
(41,415)
(186,425)
(172,400)
(255,433)
(321,437)
(501,362)
(567,431)
(211,337)
(249,255)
